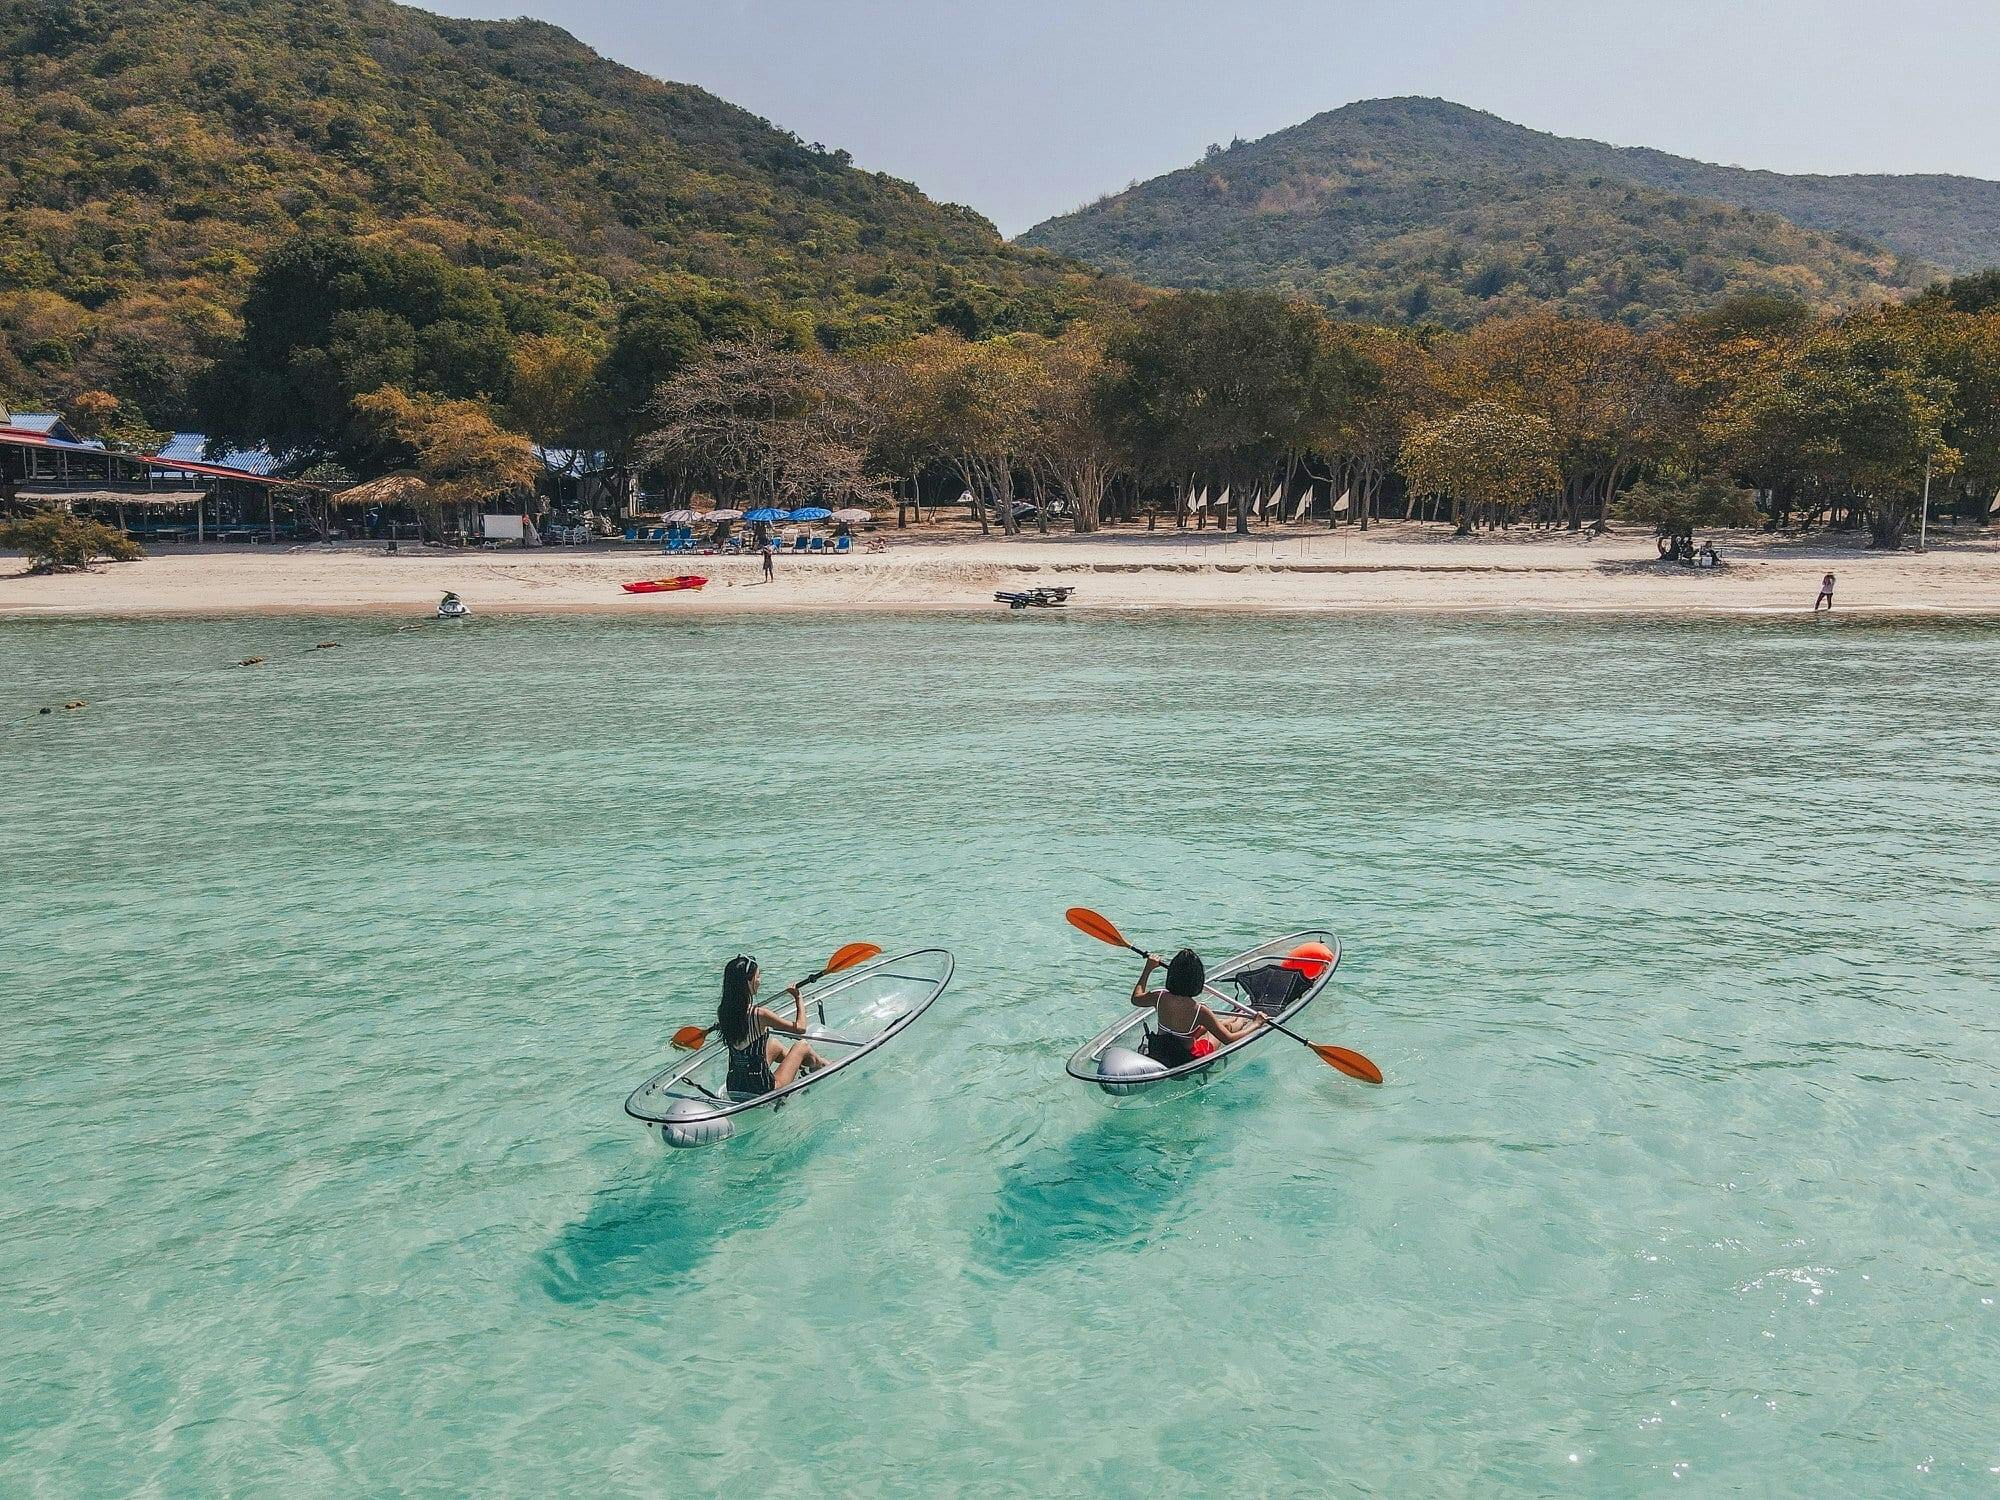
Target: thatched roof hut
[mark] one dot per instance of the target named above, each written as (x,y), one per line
(404,487)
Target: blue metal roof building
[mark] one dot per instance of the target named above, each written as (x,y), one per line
(192,447)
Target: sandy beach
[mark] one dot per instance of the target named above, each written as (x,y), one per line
(1393,567)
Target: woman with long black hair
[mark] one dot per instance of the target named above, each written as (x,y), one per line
(1184,1027)
(758,1062)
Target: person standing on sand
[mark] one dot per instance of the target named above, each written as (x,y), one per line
(770,568)
(1825,595)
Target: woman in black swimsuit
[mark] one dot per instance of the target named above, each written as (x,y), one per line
(1182,1018)
(758,1062)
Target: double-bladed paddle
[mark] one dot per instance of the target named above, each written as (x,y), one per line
(1353,1064)
(690,1037)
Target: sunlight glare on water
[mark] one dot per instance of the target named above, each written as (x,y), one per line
(326,980)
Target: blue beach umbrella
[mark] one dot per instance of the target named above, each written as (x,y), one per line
(766,514)
(812,513)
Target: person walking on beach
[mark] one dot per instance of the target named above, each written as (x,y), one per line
(1825,595)
(770,568)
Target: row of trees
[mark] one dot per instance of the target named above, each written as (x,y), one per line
(377,359)
(1541,420)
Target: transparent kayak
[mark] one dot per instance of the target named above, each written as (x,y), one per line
(1258,978)
(848,1018)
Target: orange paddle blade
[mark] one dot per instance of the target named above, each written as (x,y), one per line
(1084,920)
(690,1037)
(849,956)
(1353,1064)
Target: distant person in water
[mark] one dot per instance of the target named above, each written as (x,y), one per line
(1825,595)
(1184,1027)
(758,1062)
(770,568)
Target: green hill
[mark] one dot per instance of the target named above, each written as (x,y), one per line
(1419,209)
(152,151)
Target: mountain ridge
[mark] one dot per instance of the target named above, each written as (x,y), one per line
(1377,207)
(152,152)
(1970,241)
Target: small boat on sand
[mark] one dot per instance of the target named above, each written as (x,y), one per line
(666,585)
(451,607)
(1039,598)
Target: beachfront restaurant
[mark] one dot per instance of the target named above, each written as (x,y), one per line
(172,495)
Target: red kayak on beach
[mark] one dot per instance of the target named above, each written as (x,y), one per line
(665,585)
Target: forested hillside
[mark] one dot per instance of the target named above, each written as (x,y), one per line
(153,152)
(1418,210)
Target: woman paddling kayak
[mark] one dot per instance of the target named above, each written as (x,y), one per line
(1184,1027)
(758,1062)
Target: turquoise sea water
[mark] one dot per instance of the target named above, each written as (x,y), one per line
(325,981)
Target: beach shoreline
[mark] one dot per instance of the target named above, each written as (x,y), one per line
(1393,568)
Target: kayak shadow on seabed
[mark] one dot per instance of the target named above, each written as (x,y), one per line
(1118,1184)
(648,1230)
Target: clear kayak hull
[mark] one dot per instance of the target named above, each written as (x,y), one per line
(849,1018)
(1115,1060)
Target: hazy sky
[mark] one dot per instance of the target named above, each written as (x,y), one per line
(1030,108)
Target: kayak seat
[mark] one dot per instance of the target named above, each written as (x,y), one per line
(1272,988)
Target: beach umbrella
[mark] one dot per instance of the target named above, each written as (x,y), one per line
(854,513)
(763,515)
(703,517)
(680,518)
(812,513)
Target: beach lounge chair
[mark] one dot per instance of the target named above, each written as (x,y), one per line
(843,544)
(818,544)
(800,542)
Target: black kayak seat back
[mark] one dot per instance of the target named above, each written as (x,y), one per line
(1272,988)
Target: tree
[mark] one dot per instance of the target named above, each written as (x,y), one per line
(1598,385)
(1487,458)
(1722,367)
(667,327)
(463,456)
(1855,418)
(1389,383)
(1962,349)
(120,427)
(56,541)
(330,318)
(1674,510)
(965,405)
(549,389)
(1231,384)
(1977,293)
(771,425)
(1065,437)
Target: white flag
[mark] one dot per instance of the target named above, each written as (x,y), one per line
(1340,505)
(1304,505)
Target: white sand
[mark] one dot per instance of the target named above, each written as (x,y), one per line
(1394,567)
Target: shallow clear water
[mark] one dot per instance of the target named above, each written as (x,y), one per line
(326,979)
